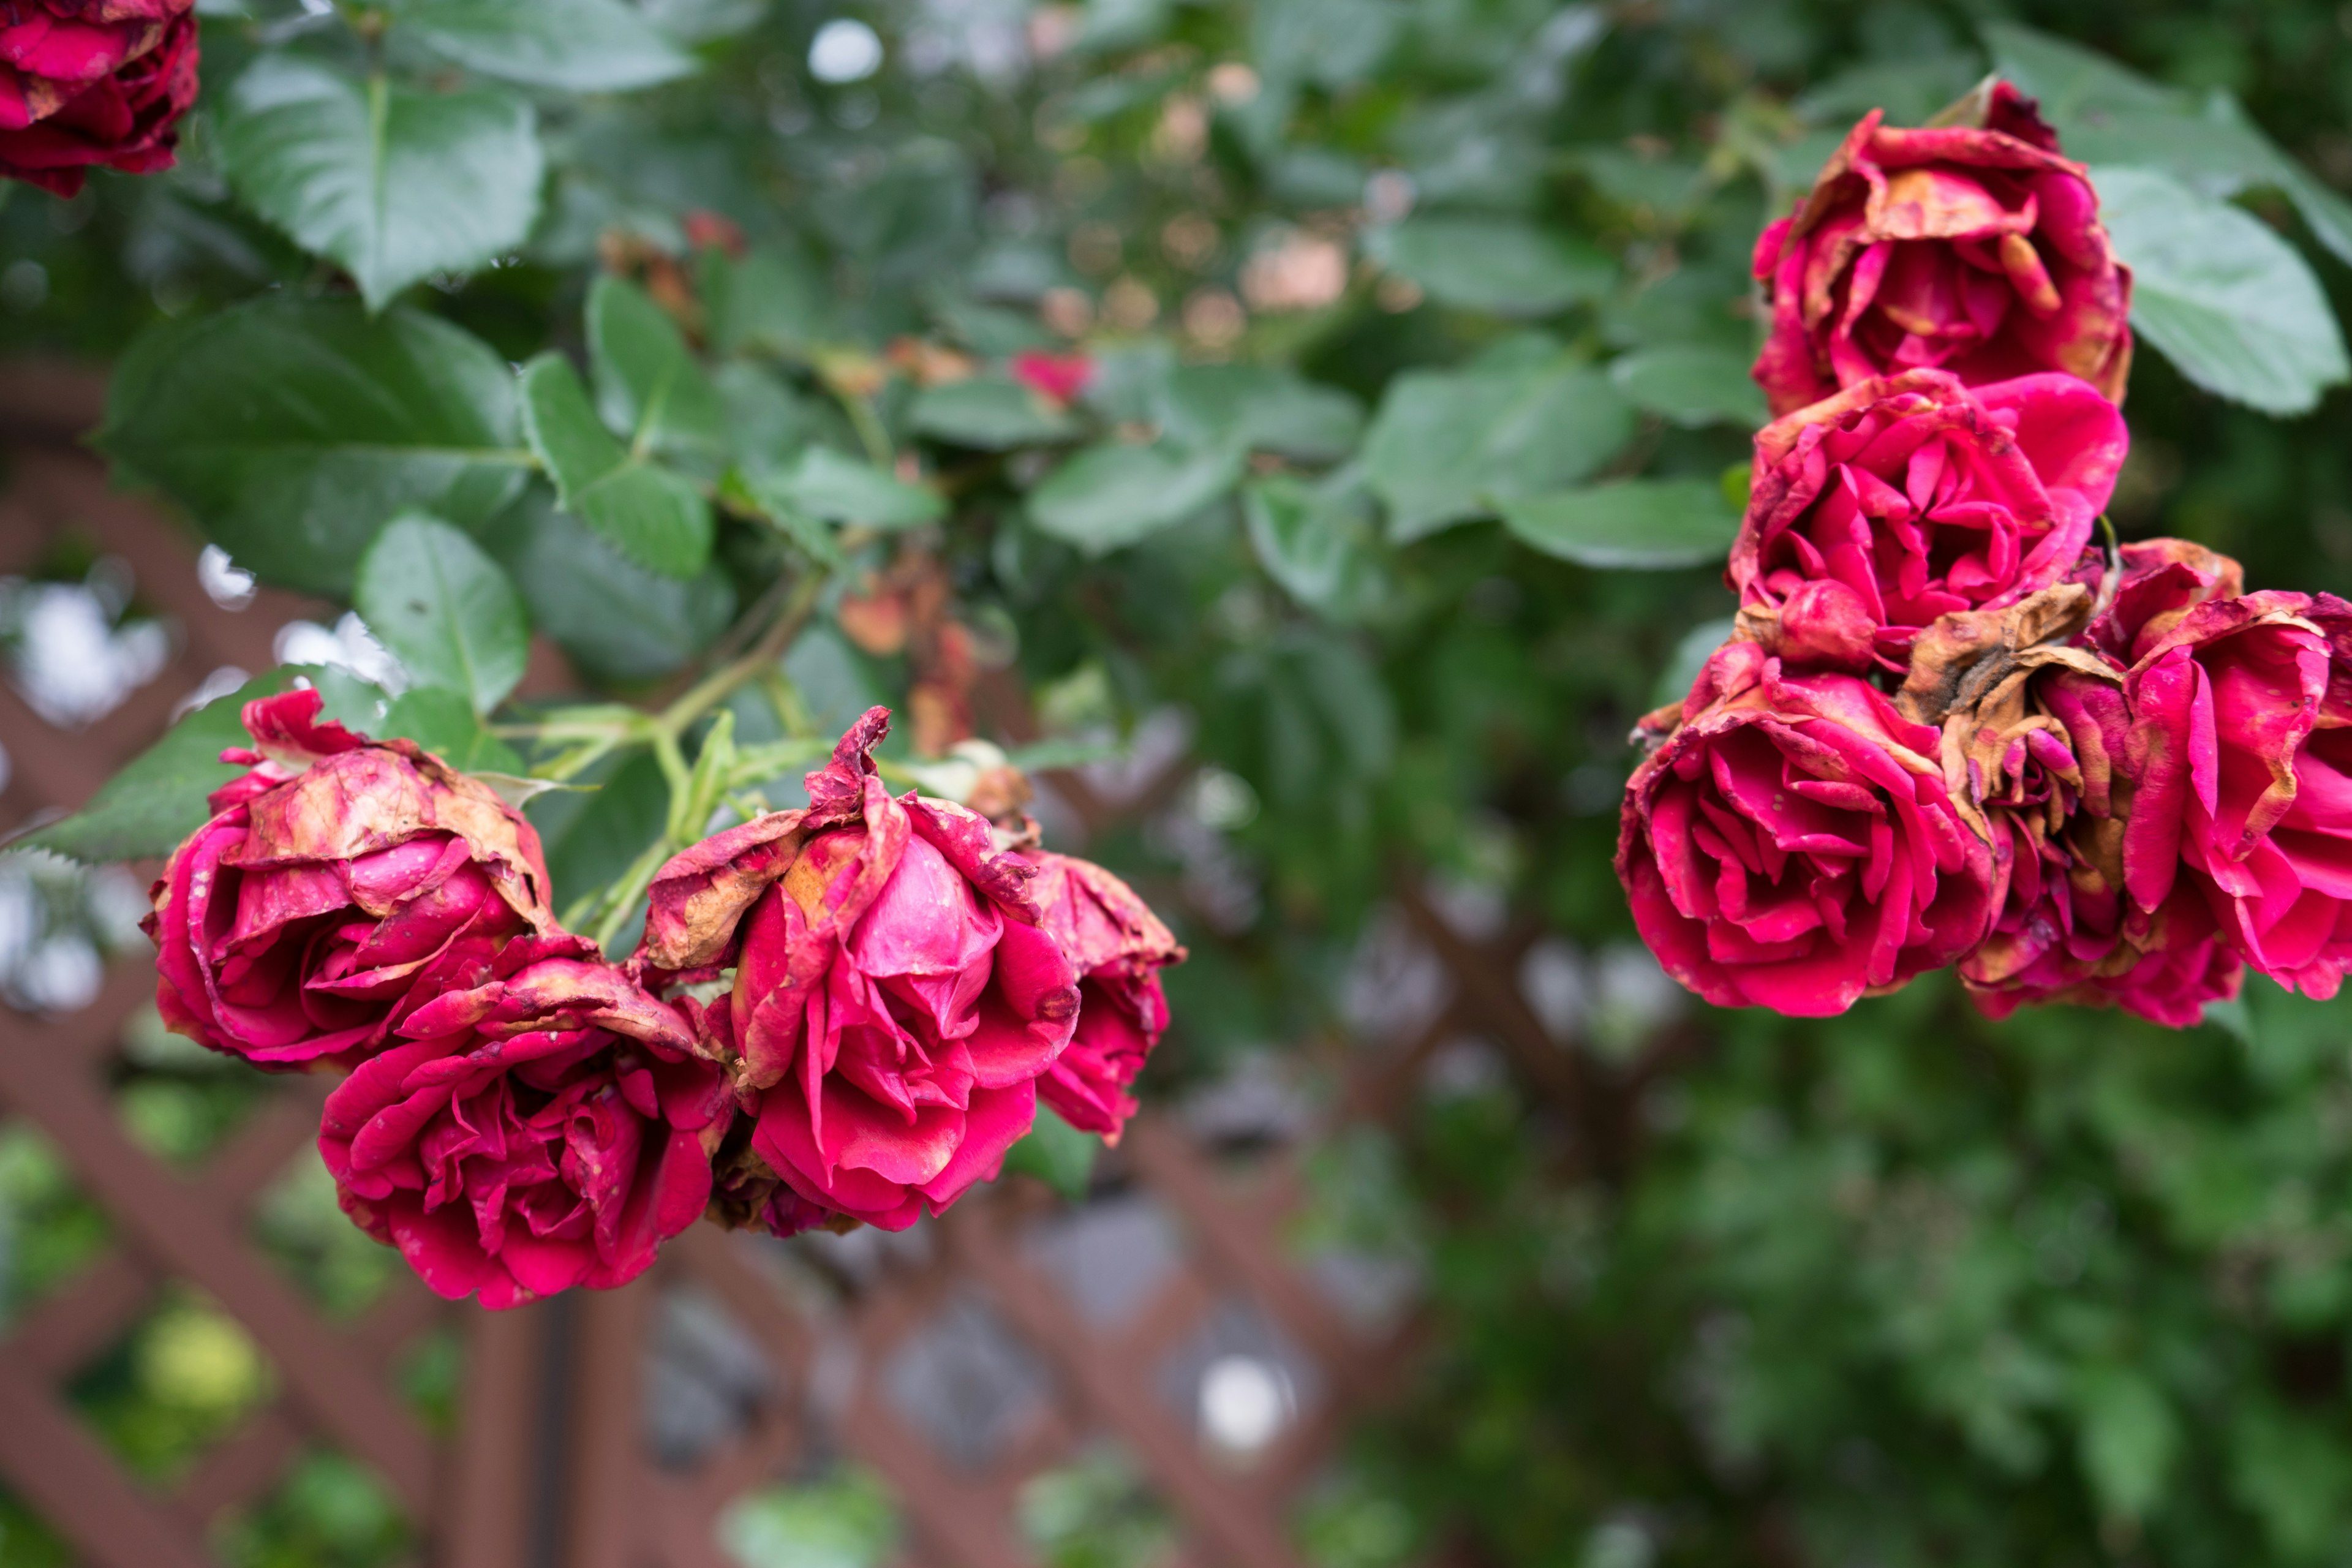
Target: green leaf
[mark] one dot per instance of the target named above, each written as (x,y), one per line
(1056,1153)
(612,618)
(2226,300)
(144,811)
(1315,541)
(391,181)
(1444,442)
(445,723)
(1267,410)
(1492,264)
(433,597)
(2128,1439)
(988,414)
(771,299)
(834,486)
(1331,43)
(1629,523)
(1111,496)
(574,45)
(648,387)
(1691,385)
(292,431)
(657,518)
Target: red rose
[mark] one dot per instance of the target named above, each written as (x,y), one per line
(1876,510)
(1791,844)
(295,924)
(895,1000)
(1118,947)
(1975,249)
(87,82)
(543,1130)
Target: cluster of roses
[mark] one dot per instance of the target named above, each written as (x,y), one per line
(1952,726)
(519,1116)
(92,82)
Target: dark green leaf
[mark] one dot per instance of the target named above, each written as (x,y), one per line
(433,597)
(612,618)
(1691,385)
(1492,264)
(1631,524)
(838,488)
(1446,441)
(1111,496)
(2227,301)
(771,299)
(990,413)
(2129,1439)
(1056,1153)
(293,431)
(657,518)
(577,46)
(445,723)
(391,181)
(1315,542)
(648,387)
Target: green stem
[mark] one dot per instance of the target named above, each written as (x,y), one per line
(623,896)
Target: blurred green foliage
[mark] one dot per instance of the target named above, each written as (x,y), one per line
(1904,1287)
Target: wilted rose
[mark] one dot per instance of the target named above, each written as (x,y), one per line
(1873,512)
(1118,947)
(1791,844)
(548,1128)
(92,82)
(2242,743)
(295,923)
(894,1002)
(1973,248)
(2032,731)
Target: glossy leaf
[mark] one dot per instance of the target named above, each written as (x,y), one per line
(650,389)
(578,46)
(445,723)
(292,431)
(656,517)
(838,488)
(988,414)
(1315,542)
(613,619)
(1266,409)
(391,181)
(1445,443)
(1691,385)
(1510,268)
(1629,523)
(1111,496)
(432,596)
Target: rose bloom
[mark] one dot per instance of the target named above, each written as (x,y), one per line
(1118,947)
(2242,743)
(85,82)
(895,1001)
(2032,731)
(1892,502)
(1791,844)
(295,923)
(1975,249)
(543,1130)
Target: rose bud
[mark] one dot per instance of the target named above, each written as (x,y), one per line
(2242,746)
(1973,248)
(294,925)
(84,84)
(1118,947)
(2033,730)
(1921,498)
(895,999)
(1791,844)
(543,1130)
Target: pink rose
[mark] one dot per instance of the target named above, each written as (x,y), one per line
(1791,844)
(895,1001)
(2032,731)
(1118,947)
(1970,249)
(1058,378)
(295,923)
(85,82)
(543,1130)
(1896,501)
(2241,743)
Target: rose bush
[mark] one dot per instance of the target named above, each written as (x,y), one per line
(93,82)
(895,999)
(546,1129)
(1899,500)
(1791,844)
(295,923)
(1975,249)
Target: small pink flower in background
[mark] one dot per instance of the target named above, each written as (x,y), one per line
(336,873)
(1919,498)
(1973,248)
(707,230)
(1118,947)
(546,1129)
(87,83)
(1058,377)
(1790,845)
